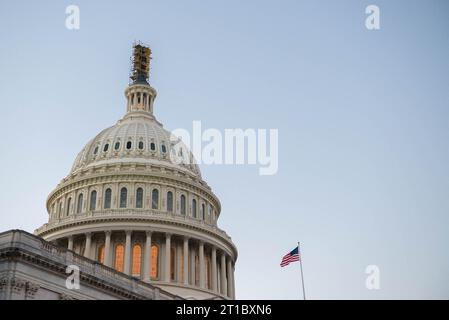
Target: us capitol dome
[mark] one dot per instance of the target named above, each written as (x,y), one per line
(127,204)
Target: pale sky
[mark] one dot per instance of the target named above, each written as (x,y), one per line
(363,120)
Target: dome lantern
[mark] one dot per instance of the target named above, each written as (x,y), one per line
(139,94)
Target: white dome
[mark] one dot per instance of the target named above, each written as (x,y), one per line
(136,138)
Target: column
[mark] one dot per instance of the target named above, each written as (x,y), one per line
(70,244)
(214,269)
(88,245)
(185,253)
(229,269)
(167,256)
(233,282)
(224,286)
(128,253)
(179,262)
(107,249)
(147,257)
(202,265)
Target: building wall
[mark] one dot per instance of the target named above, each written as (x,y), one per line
(34,269)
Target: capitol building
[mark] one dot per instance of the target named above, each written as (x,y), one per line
(138,224)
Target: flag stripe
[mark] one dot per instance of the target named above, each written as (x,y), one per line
(292,256)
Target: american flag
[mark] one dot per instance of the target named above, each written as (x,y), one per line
(292,256)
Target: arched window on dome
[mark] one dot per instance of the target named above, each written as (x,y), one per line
(79,206)
(183,204)
(152,146)
(172,263)
(106,147)
(107,198)
(139,198)
(119,257)
(155,199)
(93,200)
(140,145)
(67,211)
(163,148)
(170,201)
(100,255)
(123,197)
(96,150)
(194,208)
(154,271)
(129,145)
(117,145)
(203,210)
(60,209)
(137,260)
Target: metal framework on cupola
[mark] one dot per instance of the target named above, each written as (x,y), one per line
(140,63)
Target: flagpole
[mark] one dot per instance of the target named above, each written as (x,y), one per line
(302,276)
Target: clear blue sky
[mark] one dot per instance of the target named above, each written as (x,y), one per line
(363,119)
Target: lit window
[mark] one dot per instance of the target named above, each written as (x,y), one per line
(154,271)
(107,198)
(129,144)
(123,197)
(119,257)
(208,273)
(137,258)
(197,270)
(100,256)
(155,199)
(170,201)
(79,207)
(139,198)
(182,267)
(93,200)
(172,263)
(140,145)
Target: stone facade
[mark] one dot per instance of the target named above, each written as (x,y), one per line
(34,269)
